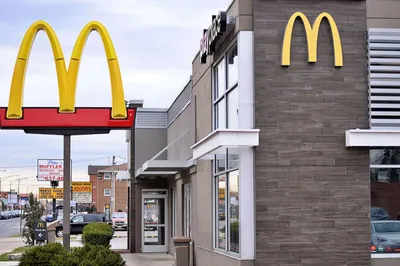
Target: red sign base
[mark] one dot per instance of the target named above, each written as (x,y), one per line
(85,120)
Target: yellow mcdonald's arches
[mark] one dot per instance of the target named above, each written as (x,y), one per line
(40,225)
(67,79)
(312,38)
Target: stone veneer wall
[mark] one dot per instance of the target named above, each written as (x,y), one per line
(312,193)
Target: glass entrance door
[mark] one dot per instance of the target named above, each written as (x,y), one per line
(154,210)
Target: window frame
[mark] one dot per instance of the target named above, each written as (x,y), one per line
(187,209)
(174,213)
(215,173)
(227,90)
(107,174)
(104,192)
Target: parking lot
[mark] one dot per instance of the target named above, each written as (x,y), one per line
(4,215)
(9,227)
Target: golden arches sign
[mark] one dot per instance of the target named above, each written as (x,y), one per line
(67,79)
(40,225)
(312,38)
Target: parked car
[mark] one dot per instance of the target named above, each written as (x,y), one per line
(78,222)
(385,236)
(379,214)
(3,215)
(120,220)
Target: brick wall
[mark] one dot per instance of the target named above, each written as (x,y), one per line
(121,192)
(312,194)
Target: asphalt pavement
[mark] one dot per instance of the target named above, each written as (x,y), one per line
(9,227)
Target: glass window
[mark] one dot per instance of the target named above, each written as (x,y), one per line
(174,218)
(220,163)
(232,60)
(227,211)
(219,80)
(107,175)
(188,210)
(107,192)
(77,219)
(233,196)
(220,114)
(233,158)
(385,156)
(385,199)
(233,108)
(221,212)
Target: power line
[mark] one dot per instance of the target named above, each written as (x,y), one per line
(34,166)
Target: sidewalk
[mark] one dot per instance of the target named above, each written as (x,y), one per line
(8,244)
(148,259)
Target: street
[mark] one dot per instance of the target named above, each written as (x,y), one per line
(9,227)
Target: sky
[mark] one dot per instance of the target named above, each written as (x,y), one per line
(155,41)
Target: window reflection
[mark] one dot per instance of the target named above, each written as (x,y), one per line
(385,200)
(385,156)
(232,66)
(233,108)
(221,114)
(221,241)
(233,211)
(219,80)
(233,158)
(220,163)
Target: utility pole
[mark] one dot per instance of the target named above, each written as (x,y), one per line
(112,186)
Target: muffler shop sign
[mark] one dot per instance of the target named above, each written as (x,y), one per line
(50,170)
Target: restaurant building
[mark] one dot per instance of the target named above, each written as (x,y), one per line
(282,140)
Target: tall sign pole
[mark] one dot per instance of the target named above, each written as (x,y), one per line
(67,191)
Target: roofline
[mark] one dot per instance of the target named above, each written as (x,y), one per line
(184,87)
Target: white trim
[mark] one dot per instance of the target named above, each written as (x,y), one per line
(225,138)
(384,255)
(372,138)
(140,172)
(122,175)
(384,166)
(167,165)
(104,192)
(246,154)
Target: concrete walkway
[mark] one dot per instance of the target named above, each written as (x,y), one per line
(10,243)
(148,259)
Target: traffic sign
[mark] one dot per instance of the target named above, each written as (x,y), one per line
(40,228)
(107,206)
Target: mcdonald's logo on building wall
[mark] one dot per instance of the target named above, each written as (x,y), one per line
(66,116)
(312,38)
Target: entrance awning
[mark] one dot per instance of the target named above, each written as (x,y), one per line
(164,164)
(150,174)
(225,138)
(372,138)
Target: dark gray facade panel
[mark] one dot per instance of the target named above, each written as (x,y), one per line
(149,141)
(312,194)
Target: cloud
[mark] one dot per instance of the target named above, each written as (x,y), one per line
(155,41)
